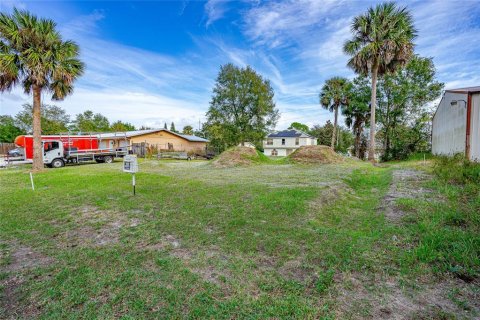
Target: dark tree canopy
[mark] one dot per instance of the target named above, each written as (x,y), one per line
(242,107)
(188,130)
(8,129)
(53,119)
(343,140)
(357,112)
(90,122)
(119,126)
(403,108)
(299,126)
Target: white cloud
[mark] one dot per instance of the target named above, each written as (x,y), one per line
(215,10)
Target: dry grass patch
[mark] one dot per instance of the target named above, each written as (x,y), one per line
(236,156)
(366,297)
(315,154)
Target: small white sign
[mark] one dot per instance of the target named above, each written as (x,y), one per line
(130,164)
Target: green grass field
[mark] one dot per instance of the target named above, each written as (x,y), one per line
(265,241)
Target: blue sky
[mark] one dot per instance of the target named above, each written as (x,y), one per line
(156,61)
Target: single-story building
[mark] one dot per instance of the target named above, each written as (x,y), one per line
(456,123)
(283,143)
(160,139)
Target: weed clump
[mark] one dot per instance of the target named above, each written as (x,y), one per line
(315,154)
(457,170)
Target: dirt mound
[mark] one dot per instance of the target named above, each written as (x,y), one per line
(236,156)
(315,154)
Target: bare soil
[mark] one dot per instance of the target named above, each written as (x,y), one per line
(315,154)
(97,228)
(21,259)
(406,184)
(360,297)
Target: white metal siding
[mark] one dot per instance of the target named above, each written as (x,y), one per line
(449,125)
(475,129)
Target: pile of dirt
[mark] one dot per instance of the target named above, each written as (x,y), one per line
(236,156)
(315,154)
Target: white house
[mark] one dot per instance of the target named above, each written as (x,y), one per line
(456,123)
(282,143)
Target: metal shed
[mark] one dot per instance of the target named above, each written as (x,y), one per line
(456,123)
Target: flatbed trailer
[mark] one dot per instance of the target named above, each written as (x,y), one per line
(62,149)
(56,156)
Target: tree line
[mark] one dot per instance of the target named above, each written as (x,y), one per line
(55,120)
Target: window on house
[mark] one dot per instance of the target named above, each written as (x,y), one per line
(274,152)
(283,142)
(269,142)
(297,141)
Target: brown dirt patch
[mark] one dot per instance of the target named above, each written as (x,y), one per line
(295,270)
(236,156)
(88,236)
(95,227)
(362,298)
(200,261)
(406,184)
(11,307)
(24,257)
(21,258)
(315,154)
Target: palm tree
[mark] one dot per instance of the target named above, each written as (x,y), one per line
(334,95)
(32,52)
(382,42)
(357,112)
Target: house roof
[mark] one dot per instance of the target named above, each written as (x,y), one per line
(290,133)
(465,90)
(135,133)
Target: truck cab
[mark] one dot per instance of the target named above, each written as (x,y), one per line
(53,153)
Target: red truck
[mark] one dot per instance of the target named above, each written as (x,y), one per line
(61,149)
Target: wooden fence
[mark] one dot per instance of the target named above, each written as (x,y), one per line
(5,146)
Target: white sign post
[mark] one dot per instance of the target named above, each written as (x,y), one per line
(130,165)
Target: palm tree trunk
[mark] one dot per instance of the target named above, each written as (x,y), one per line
(371,147)
(37,130)
(358,135)
(334,133)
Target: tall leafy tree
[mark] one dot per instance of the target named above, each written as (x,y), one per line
(334,95)
(54,119)
(357,112)
(404,113)
(8,129)
(188,130)
(88,122)
(172,127)
(119,126)
(165,126)
(382,42)
(343,140)
(299,126)
(242,107)
(32,52)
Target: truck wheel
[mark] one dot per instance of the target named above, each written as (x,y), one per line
(108,159)
(57,163)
